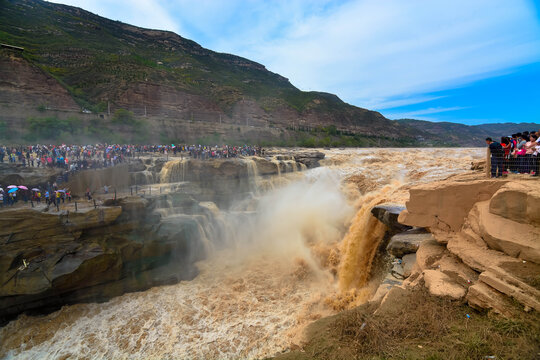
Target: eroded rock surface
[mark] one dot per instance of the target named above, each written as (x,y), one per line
(488,242)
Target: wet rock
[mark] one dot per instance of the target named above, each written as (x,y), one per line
(407,262)
(265,166)
(478,165)
(407,242)
(136,166)
(17,174)
(49,259)
(388,215)
(310,159)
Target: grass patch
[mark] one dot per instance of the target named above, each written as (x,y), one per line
(416,325)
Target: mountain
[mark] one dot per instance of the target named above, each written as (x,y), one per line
(466,135)
(82,77)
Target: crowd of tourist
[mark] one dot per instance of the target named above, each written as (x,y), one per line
(74,157)
(517,154)
(51,195)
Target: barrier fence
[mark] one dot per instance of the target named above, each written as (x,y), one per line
(512,164)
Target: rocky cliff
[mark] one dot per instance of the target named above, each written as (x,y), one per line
(95,251)
(483,245)
(174,88)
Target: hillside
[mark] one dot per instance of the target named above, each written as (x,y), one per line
(82,77)
(106,65)
(465,135)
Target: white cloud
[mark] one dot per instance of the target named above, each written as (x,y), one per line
(372,53)
(144,13)
(368,50)
(419,114)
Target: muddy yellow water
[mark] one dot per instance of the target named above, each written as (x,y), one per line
(310,242)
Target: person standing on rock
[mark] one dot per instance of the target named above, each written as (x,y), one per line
(496,157)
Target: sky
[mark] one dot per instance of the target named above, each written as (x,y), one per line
(463,61)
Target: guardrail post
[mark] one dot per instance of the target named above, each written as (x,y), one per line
(488,163)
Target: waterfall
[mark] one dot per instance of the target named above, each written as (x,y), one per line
(361,241)
(253,175)
(174,171)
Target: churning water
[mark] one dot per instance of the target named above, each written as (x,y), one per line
(309,242)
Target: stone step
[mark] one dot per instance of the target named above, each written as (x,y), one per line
(515,239)
(508,284)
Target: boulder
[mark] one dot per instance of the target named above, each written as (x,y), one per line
(310,159)
(513,238)
(478,165)
(407,262)
(452,266)
(476,257)
(428,253)
(407,242)
(518,201)
(388,215)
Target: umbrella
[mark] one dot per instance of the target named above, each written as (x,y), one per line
(12,190)
(12,186)
(23,187)
(35,189)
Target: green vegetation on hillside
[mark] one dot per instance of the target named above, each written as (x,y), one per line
(99,60)
(75,130)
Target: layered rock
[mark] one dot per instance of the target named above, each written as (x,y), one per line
(487,242)
(49,259)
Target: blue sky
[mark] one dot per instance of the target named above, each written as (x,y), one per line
(463,61)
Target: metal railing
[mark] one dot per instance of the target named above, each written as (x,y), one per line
(511,164)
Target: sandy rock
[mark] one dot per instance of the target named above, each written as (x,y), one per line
(453,267)
(518,201)
(513,238)
(510,285)
(440,284)
(476,257)
(428,253)
(445,205)
(407,242)
(483,297)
